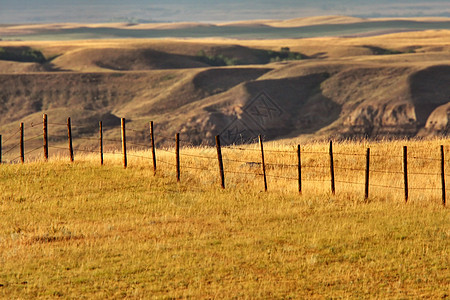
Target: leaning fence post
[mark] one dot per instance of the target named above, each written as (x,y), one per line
(45,137)
(124,143)
(152,136)
(333,189)
(101,141)
(405,171)
(22,152)
(443,175)
(263,163)
(219,157)
(69,134)
(366,190)
(299,169)
(177,155)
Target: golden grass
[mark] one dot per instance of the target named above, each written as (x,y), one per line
(308,46)
(71,230)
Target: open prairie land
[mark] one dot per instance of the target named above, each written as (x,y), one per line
(71,230)
(79,229)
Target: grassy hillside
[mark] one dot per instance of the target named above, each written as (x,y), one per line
(81,229)
(393,85)
(306,28)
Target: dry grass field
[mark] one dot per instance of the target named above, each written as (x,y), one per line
(81,229)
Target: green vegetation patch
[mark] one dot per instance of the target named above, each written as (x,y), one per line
(218,60)
(22,54)
(255,56)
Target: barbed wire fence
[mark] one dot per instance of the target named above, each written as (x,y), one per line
(253,162)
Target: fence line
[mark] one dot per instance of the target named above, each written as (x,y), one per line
(272,170)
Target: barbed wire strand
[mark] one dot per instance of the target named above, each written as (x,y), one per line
(167,163)
(197,168)
(198,156)
(385,172)
(167,151)
(242,161)
(348,169)
(139,156)
(349,182)
(243,173)
(424,189)
(11,149)
(11,136)
(349,154)
(85,150)
(424,173)
(386,186)
(32,150)
(281,177)
(33,138)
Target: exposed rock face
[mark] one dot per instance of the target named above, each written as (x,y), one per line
(339,100)
(439,121)
(405,107)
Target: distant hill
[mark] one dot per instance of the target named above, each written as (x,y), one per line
(387,86)
(268,29)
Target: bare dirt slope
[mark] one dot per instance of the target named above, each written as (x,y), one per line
(393,85)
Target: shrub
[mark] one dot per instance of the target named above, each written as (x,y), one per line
(22,54)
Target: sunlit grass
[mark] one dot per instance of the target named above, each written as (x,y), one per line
(81,229)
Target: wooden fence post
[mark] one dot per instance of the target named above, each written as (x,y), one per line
(219,157)
(0,149)
(405,171)
(299,159)
(69,134)
(443,175)
(333,188)
(177,155)
(22,152)
(152,136)
(45,137)
(101,141)
(263,163)
(366,190)
(124,143)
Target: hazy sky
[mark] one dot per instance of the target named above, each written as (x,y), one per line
(44,11)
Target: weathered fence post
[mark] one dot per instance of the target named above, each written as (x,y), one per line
(45,137)
(366,189)
(69,134)
(101,141)
(22,152)
(152,136)
(443,175)
(263,163)
(177,155)
(219,157)
(0,149)
(299,159)
(405,171)
(333,189)
(124,143)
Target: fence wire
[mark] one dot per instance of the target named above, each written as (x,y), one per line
(233,154)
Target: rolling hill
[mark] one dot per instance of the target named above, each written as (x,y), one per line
(387,86)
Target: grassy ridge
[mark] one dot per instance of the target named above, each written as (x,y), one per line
(232,31)
(105,232)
